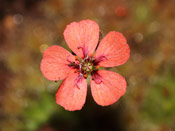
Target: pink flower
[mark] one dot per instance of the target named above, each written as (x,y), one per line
(82,38)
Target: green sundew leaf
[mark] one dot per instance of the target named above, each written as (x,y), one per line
(159,107)
(39,112)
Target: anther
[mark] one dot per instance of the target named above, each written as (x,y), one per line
(85,75)
(91,55)
(75,70)
(76,57)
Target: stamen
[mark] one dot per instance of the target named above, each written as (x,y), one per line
(91,55)
(73,65)
(78,80)
(91,58)
(85,52)
(86,58)
(99,59)
(96,77)
(80,67)
(85,75)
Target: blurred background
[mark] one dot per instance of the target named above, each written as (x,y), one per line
(27,99)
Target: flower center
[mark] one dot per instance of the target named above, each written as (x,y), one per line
(84,66)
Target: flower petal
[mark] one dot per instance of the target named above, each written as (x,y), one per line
(72,93)
(82,37)
(110,89)
(113,50)
(54,64)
